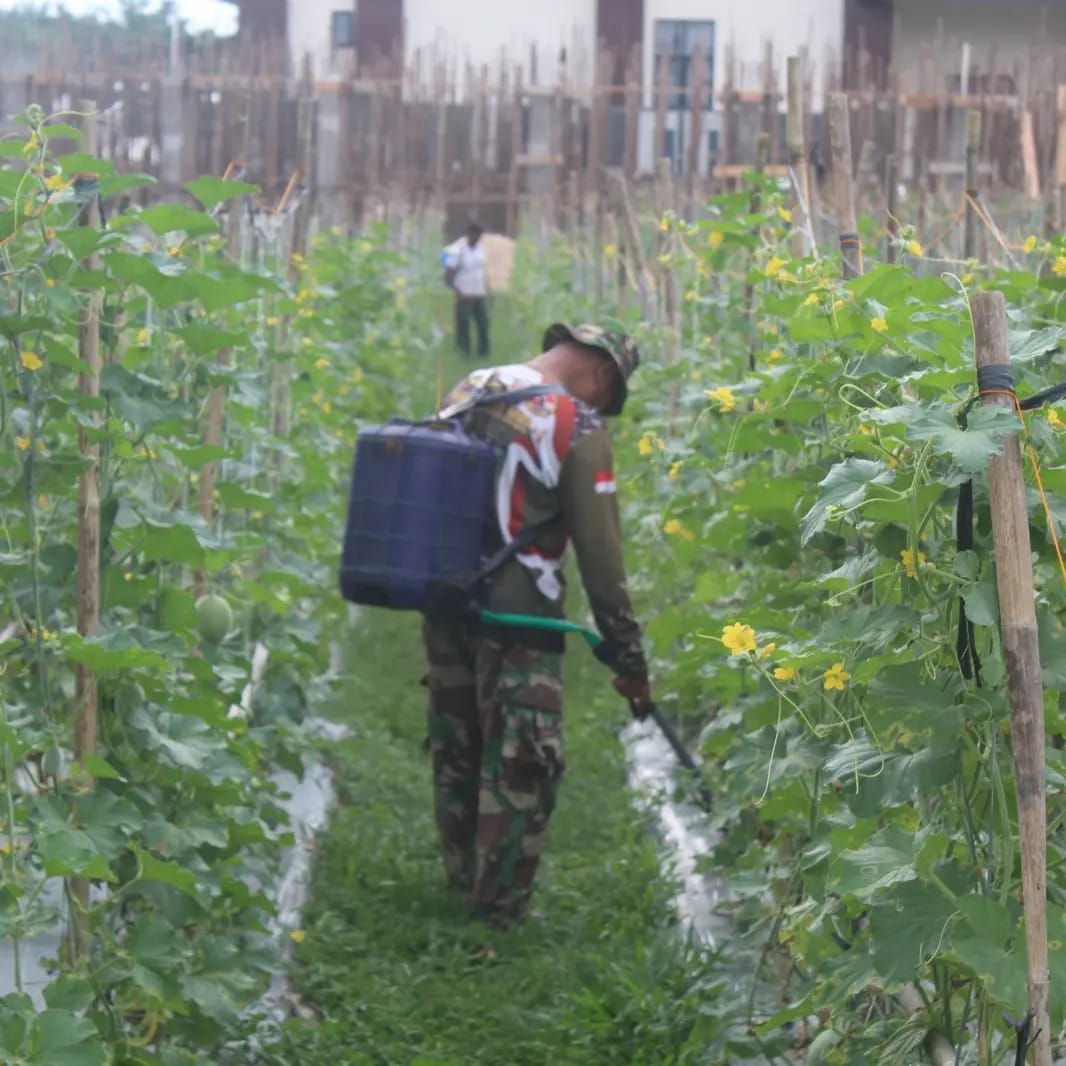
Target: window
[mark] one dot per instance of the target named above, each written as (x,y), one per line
(677,42)
(342,29)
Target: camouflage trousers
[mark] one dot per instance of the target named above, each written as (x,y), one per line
(496,738)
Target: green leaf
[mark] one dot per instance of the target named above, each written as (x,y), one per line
(212,191)
(59,1038)
(843,488)
(982,602)
(909,926)
(206,340)
(972,448)
(885,859)
(100,768)
(69,852)
(168,873)
(177,218)
(979,945)
(176,544)
(70,993)
(80,242)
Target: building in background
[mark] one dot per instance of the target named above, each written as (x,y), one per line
(930,46)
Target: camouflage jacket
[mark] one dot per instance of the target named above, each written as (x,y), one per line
(555,468)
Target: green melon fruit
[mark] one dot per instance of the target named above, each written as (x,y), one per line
(214,619)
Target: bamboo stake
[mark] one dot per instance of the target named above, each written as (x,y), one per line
(1014,581)
(1060,160)
(695,140)
(797,154)
(668,280)
(892,221)
(662,92)
(843,183)
(85,687)
(973,150)
(645,286)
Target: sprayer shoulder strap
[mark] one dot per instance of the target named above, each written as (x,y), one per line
(484,397)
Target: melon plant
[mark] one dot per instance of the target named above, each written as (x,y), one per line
(173,820)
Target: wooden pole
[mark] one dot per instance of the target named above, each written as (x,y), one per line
(843,183)
(973,152)
(628,218)
(85,687)
(1014,581)
(892,196)
(1060,160)
(797,155)
(695,140)
(762,157)
(662,94)
(633,91)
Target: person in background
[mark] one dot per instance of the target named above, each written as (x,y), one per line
(465,274)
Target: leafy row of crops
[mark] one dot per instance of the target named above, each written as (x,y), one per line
(227,362)
(791,477)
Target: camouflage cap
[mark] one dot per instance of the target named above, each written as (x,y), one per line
(619,346)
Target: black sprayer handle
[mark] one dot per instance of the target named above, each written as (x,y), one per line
(684,756)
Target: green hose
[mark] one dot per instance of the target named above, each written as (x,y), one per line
(531,621)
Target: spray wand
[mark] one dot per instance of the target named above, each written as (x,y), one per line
(601,651)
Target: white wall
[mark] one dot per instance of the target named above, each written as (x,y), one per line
(481,31)
(309,30)
(747,25)
(1014,32)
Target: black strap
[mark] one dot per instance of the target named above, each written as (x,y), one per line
(521,540)
(484,397)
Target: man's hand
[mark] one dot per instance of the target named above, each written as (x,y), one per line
(638,691)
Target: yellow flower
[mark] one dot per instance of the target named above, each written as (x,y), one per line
(55,183)
(272,321)
(128,575)
(836,677)
(915,248)
(1059,266)
(774,355)
(317,399)
(673,528)
(762,407)
(908,561)
(610,251)
(664,224)
(967,279)
(327,407)
(297,936)
(42,501)
(321,363)
(880,325)
(1030,245)
(22,443)
(739,484)
(1054,420)
(785,673)
(675,470)
(646,445)
(738,638)
(143,337)
(766,651)
(715,238)
(812,299)
(784,214)
(50,283)
(5,849)
(724,397)
(30,361)
(174,250)
(774,267)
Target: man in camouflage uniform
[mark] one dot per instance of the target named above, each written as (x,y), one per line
(496,693)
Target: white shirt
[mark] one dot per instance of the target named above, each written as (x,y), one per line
(469,264)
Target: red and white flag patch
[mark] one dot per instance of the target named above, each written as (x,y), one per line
(605,483)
